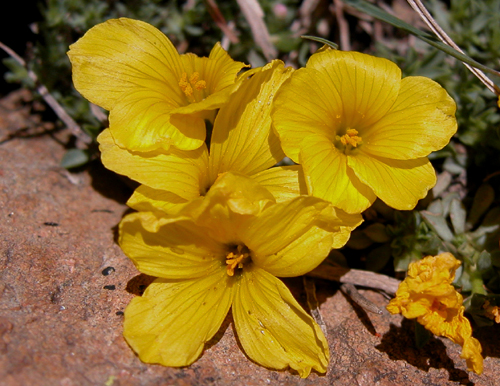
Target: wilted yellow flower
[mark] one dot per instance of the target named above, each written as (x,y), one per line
(492,312)
(360,131)
(156,97)
(427,294)
(225,255)
(242,141)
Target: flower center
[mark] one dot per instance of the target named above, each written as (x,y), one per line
(348,141)
(236,258)
(192,87)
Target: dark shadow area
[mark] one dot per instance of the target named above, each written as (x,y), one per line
(399,344)
(489,337)
(362,315)
(110,184)
(138,284)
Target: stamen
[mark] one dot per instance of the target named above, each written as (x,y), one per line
(235,260)
(194,83)
(351,138)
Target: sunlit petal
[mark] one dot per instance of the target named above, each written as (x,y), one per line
(179,250)
(400,184)
(273,328)
(183,173)
(242,138)
(173,320)
(329,177)
(422,120)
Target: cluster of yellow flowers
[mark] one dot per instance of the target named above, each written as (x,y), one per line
(217,221)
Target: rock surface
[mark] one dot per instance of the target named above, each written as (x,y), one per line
(61,303)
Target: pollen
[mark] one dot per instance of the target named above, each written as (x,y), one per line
(351,138)
(235,259)
(194,83)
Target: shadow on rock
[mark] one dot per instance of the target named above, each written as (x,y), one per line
(138,284)
(399,344)
(110,184)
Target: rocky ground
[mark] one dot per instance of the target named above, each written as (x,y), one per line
(64,284)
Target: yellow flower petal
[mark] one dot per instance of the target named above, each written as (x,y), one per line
(471,352)
(368,85)
(177,251)
(328,176)
(335,91)
(119,55)
(183,173)
(399,183)
(242,138)
(422,120)
(230,201)
(156,97)
(273,328)
(142,120)
(291,238)
(284,182)
(173,320)
(219,72)
(147,199)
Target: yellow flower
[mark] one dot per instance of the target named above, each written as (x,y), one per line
(427,294)
(360,131)
(242,141)
(227,256)
(492,312)
(156,97)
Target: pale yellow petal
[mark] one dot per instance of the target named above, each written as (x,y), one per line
(219,72)
(328,176)
(146,199)
(173,320)
(284,182)
(242,137)
(305,106)
(231,200)
(422,120)
(273,328)
(290,238)
(368,85)
(400,184)
(183,173)
(179,250)
(143,120)
(120,55)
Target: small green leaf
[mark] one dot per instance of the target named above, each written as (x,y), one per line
(321,40)
(74,158)
(422,335)
(457,216)
(438,224)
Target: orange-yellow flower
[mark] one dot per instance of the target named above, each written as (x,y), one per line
(156,97)
(427,294)
(360,131)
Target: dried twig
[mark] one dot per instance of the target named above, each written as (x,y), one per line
(345,38)
(359,299)
(312,302)
(356,277)
(255,16)
(75,129)
(220,21)
(443,36)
